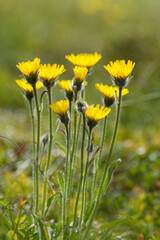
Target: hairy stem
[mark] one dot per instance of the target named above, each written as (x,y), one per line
(97,163)
(49,153)
(33,155)
(81,174)
(37,152)
(84,181)
(106,167)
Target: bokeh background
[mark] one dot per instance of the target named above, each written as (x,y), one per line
(124,29)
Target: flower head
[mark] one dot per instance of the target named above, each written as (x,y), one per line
(81,106)
(120,71)
(79,76)
(84,59)
(109,93)
(61,109)
(94,114)
(30,70)
(27,88)
(66,85)
(49,73)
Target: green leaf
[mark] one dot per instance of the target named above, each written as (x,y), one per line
(21,220)
(4,203)
(50,202)
(35,236)
(110,173)
(107,227)
(89,211)
(43,231)
(55,129)
(62,148)
(58,229)
(10,235)
(6,221)
(61,182)
(93,156)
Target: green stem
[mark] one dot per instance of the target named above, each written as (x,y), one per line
(70,163)
(67,173)
(16,227)
(81,175)
(37,152)
(84,181)
(77,137)
(49,153)
(33,155)
(75,131)
(99,156)
(106,167)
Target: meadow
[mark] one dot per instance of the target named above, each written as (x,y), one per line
(50,30)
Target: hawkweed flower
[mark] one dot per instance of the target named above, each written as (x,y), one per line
(30,70)
(61,109)
(66,85)
(94,114)
(84,59)
(109,93)
(120,72)
(81,106)
(80,74)
(49,74)
(27,88)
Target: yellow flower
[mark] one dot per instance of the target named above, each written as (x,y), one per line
(84,59)
(67,87)
(27,88)
(30,70)
(49,73)
(79,75)
(61,109)
(120,71)
(94,114)
(109,93)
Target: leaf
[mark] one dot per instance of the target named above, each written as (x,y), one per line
(55,128)
(110,173)
(50,202)
(89,211)
(21,220)
(10,235)
(115,223)
(4,203)
(58,229)
(61,181)
(6,221)
(62,148)
(35,236)
(107,227)
(93,156)
(43,231)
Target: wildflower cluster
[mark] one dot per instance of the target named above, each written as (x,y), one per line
(75,114)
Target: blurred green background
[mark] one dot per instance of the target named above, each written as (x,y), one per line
(124,29)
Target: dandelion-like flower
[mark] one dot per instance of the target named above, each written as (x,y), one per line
(84,59)
(49,73)
(94,114)
(27,88)
(30,70)
(79,76)
(120,71)
(61,109)
(109,93)
(66,85)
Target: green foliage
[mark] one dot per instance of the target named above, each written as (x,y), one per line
(119,30)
